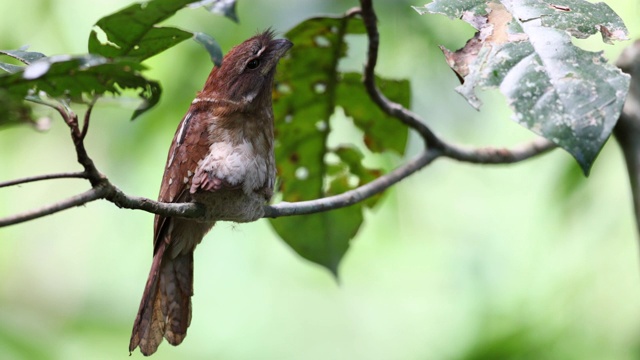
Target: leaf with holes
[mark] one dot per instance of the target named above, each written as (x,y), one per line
(133,32)
(78,77)
(304,101)
(380,132)
(568,95)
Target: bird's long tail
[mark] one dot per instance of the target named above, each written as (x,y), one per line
(165,309)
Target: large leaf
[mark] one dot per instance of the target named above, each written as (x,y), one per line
(568,95)
(132,31)
(304,101)
(81,77)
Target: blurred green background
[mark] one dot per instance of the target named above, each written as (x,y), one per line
(529,261)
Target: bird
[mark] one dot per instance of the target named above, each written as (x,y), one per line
(221,157)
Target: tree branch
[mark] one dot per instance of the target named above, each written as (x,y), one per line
(122,200)
(352,196)
(78,175)
(391,108)
(77,200)
(491,155)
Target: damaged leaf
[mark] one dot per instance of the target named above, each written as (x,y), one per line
(568,95)
(304,102)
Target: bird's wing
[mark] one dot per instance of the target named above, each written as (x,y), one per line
(190,145)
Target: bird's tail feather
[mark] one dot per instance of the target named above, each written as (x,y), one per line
(165,309)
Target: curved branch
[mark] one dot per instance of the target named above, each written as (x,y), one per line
(476,156)
(391,108)
(491,155)
(77,200)
(352,196)
(77,175)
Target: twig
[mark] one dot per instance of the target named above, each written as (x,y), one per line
(122,200)
(353,196)
(71,119)
(79,175)
(87,117)
(391,108)
(77,200)
(491,155)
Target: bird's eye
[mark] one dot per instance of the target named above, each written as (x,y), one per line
(253,64)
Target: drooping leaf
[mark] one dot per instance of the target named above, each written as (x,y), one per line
(222,7)
(568,95)
(81,77)
(133,31)
(304,101)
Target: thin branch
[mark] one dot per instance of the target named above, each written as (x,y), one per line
(77,200)
(476,156)
(78,175)
(87,116)
(391,108)
(353,196)
(71,119)
(491,155)
(184,210)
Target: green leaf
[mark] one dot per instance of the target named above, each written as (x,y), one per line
(380,132)
(132,31)
(323,239)
(354,172)
(222,7)
(211,45)
(304,102)
(10,68)
(22,55)
(568,95)
(75,78)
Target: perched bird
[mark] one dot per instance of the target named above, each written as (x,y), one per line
(222,157)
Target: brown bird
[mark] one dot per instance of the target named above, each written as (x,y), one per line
(221,156)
